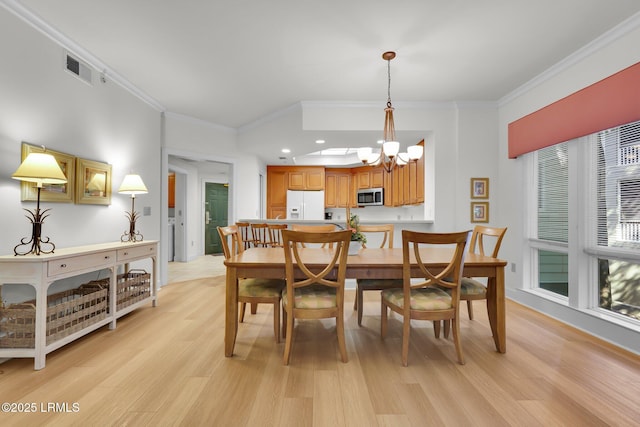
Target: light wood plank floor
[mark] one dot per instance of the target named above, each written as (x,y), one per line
(165,366)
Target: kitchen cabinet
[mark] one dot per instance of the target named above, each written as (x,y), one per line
(338,191)
(370,177)
(306,178)
(277,186)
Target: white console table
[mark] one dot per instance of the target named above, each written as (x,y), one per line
(40,271)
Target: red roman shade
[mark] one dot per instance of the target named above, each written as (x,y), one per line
(608,103)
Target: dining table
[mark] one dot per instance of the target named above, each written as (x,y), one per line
(369,263)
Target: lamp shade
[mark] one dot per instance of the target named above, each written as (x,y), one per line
(41,168)
(364,153)
(391,148)
(132,184)
(415,152)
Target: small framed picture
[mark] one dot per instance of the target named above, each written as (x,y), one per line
(50,192)
(93,182)
(479,188)
(479,211)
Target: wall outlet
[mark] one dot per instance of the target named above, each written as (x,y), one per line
(146,211)
(513,267)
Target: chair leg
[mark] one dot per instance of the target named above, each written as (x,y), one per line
(383,320)
(406,328)
(470,308)
(276,320)
(360,301)
(340,332)
(284,322)
(436,328)
(242,307)
(447,328)
(355,300)
(254,308)
(456,339)
(289,339)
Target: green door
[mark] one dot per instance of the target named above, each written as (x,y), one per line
(215,214)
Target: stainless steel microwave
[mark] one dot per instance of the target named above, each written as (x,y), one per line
(371,197)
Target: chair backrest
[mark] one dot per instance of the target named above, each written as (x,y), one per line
(245,231)
(275,234)
(316,270)
(260,234)
(314,229)
(447,277)
(231,232)
(478,240)
(385,229)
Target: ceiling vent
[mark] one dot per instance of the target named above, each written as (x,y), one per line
(78,68)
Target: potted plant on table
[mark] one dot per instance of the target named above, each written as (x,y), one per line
(357,238)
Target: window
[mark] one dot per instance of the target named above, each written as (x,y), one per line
(617,215)
(553,217)
(585,236)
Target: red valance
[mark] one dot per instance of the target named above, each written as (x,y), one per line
(608,103)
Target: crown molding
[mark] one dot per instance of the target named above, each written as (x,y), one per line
(65,42)
(630,24)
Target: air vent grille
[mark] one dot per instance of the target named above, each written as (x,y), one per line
(78,68)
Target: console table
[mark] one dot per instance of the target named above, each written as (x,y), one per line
(40,271)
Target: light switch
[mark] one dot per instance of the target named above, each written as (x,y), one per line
(146,211)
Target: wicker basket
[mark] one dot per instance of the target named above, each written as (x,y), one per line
(17,326)
(67,312)
(133,286)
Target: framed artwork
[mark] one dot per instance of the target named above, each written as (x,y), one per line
(93,182)
(50,192)
(479,188)
(479,211)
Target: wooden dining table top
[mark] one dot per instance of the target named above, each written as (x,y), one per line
(387,262)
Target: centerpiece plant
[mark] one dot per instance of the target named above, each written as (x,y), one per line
(354,226)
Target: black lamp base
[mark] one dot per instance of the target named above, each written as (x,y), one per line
(132,235)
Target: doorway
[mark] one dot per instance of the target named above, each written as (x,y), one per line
(216,208)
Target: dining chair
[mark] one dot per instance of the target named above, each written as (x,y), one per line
(252,290)
(483,240)
(385,234)
(275,234)
(318,292)
(260,233)
(471,289)
(245,233)
(314,229)
(424,299)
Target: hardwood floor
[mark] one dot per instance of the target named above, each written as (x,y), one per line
(165,366)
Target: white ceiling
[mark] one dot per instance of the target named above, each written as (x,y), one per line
(234,62)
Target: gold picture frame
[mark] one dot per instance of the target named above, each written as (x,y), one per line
(479,211)
(479,188)
(62,193)
(93,182)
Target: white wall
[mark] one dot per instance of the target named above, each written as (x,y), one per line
(41,103)
(582,69)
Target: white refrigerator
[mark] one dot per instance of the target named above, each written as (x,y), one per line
(305,204)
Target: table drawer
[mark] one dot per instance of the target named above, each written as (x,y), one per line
(78,263)
(135,252)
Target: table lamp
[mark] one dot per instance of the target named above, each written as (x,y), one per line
(41,168)
(132,184)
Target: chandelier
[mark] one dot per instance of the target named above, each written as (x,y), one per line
(389,156)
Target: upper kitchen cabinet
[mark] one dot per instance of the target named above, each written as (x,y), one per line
(370,177)
(306,178)
(338,190)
